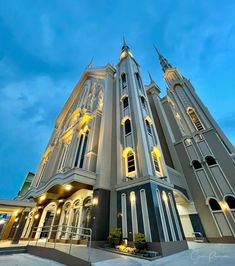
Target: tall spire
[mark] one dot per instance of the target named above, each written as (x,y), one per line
(90,63)
(163,61)
(150,77)
(124,45)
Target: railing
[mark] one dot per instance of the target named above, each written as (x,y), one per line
(73,231)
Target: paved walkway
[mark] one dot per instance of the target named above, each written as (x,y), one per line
(26,260)
(199,254)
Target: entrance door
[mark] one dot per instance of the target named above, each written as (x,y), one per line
(47,223)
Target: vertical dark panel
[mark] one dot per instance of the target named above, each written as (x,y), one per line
(100,215)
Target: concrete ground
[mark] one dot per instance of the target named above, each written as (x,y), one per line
(26,260)
(200,254)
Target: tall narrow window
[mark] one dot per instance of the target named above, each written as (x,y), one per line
(148,127)
(124,84)
(125,102)
(219,217)
(64,156)
(156,162)
(127,126)
(130,162)
(143,102)
(195,119)
(78,151)
(138,81)
(83,150)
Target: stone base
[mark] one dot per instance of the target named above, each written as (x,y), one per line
(168,248)
(225,239)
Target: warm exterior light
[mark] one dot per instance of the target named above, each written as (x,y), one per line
(132,197)
(36,216)
(68,187)
(58,211)
(16,219)
(61,200)
(223,205)
(43,197)
(164,196)
(2,221)
(16,212)
(95,201)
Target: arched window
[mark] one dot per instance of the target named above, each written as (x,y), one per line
(148,127)
(125,102)
(210,160)
(76,216)
(214,205)
(127,125)
(143,102)
(130,162)
(123,77)
(196,165)
(230,201)
(195,119)
(220,218)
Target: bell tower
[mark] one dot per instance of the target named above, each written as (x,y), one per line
(204,152)
(145,201)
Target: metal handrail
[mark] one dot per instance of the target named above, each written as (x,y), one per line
(49,230)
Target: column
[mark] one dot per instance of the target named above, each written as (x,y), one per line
(20,227)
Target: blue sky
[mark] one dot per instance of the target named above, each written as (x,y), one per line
(45,46)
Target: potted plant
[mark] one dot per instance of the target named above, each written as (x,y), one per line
(115,236)
(139,241)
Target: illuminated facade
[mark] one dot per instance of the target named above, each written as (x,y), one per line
(122,156)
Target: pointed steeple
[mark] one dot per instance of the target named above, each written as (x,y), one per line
(125,49)
(163,61)
(150,77)
(90,64)
(124,45)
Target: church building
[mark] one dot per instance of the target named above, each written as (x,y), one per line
(120,155)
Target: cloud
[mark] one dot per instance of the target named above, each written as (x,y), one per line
(45,45)
(27,112)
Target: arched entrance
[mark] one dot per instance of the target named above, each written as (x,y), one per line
(47,219)
(185,209)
